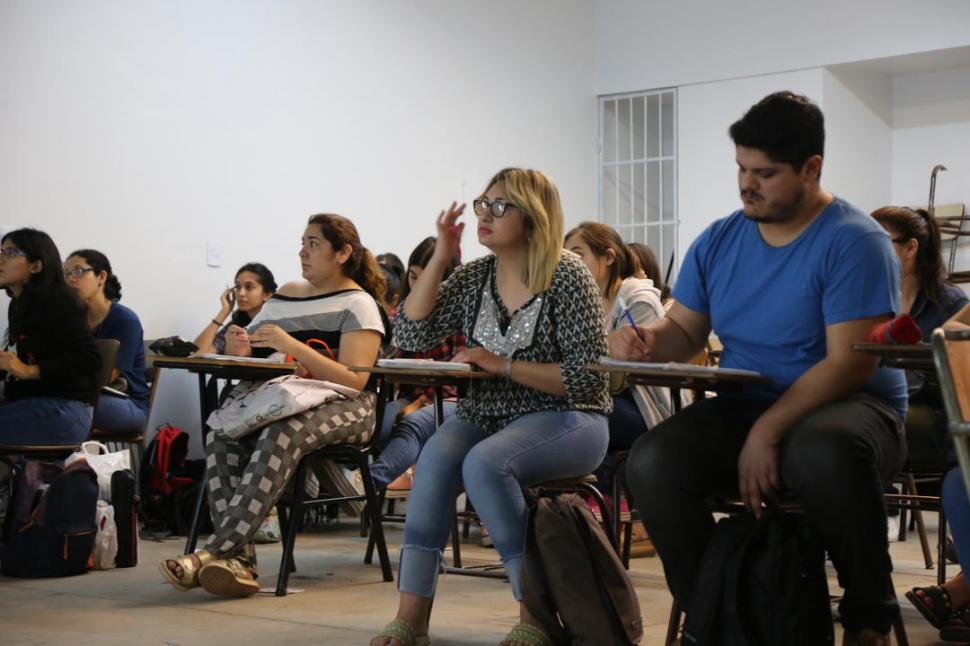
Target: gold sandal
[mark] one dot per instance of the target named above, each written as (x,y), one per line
(228,578)
(190,570)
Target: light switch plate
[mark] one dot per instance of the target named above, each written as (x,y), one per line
(213,253)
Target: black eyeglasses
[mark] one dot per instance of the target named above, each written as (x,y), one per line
(497,209)
(12,252)
(77,272)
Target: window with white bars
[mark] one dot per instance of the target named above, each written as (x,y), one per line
(638,170)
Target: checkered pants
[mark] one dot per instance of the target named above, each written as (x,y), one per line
(246,476)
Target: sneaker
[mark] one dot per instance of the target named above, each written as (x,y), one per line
(338,480)
(269,530)
(893,528)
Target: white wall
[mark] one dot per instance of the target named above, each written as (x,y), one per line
(858,137)
(143,128)
(707,172)
(647,44)
(931,125)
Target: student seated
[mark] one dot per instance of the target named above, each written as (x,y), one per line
(930,300)
(337,302)
(409,420)
(253,286)
(614,268)
(394,274)
(48,360)
(89,273)
(533,320)
(788,283)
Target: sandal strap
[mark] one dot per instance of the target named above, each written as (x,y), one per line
(240,569)
(528,634)
(399,630)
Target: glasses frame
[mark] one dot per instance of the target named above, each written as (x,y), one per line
(496,209)
(12,252)
(76,273)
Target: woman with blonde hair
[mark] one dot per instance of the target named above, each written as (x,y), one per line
(532,318)
(338,303)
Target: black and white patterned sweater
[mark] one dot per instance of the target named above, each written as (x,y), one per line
(563,325)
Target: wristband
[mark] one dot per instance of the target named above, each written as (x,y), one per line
(508,368)
(218,324)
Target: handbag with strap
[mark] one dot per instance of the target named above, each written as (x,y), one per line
(253,404)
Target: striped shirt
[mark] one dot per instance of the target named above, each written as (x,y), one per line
(325,317)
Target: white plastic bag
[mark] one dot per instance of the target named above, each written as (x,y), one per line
(106,541)
(104,463)
(253,405)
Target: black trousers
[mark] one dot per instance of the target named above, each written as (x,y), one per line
(835,462)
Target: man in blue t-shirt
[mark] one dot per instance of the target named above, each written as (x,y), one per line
(788,283)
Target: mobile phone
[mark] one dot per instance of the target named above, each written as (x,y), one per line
(231,296)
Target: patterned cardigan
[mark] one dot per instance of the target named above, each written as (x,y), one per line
(563,325)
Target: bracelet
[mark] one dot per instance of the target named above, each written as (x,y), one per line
(508,368)
(218,324)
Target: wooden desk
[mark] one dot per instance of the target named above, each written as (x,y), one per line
(210,370)
(918,356)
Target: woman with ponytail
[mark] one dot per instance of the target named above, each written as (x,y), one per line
(337,302)
(930,300)
(89,273)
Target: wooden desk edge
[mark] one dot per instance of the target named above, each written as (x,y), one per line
(201,362)
(674,374)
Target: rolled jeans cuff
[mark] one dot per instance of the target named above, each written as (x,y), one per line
(418,570)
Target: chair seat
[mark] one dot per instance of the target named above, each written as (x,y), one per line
(34,449)
(102,435)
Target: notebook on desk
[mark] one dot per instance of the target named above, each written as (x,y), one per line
(679,367)
(274,358)
(425,364)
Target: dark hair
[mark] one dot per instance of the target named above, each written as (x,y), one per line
(785,126)
(99,262)
(361,267)
(918,225)
(39,246)
(265,279)
(650,267)
(600,238)
(421,256)
(395,274)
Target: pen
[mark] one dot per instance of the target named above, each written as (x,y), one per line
(629,317)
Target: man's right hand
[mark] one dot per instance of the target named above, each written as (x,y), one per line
(626,345)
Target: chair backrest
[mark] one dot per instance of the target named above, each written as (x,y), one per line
(951,355)
(108,349)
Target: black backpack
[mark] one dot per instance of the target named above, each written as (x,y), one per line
(762,582)
(574,583)
(52,520)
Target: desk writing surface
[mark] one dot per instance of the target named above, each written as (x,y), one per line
(424,376)
(915,356)
(215,365)
(679,376)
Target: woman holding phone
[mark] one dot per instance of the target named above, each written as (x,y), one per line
(253,286)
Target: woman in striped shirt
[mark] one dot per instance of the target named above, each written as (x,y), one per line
(336,302)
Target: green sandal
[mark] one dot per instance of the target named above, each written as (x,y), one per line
(402,631)
(528,634)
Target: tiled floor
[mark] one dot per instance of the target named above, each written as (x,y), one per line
(342,602)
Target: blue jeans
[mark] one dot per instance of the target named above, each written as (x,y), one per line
(626,426)
(48,421)
(119,415)
(408,436)
(957,507)
(494,468)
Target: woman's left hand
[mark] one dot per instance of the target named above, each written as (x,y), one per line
(274,337)
(487,361)
(12,364)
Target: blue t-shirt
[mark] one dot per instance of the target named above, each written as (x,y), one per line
(121,323)
(770,305)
